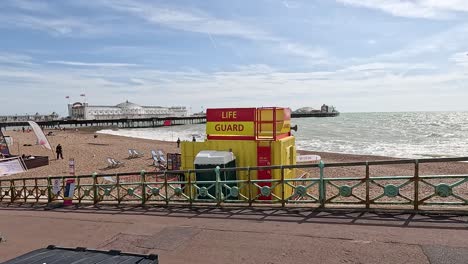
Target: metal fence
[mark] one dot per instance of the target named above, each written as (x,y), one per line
(312,188)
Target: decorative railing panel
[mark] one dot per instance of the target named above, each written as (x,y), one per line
(313,187)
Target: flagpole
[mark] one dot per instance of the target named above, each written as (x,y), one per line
(68,100)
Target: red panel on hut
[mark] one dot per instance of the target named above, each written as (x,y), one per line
(264,159)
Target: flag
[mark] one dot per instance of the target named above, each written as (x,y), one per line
(41,138)
(82,94)
(68,97)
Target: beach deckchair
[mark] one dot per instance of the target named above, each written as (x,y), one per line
(155,160)
(154,154)
(108,178)
(161,156)
(110,163)
(137,154)
(131,155)
(117,163)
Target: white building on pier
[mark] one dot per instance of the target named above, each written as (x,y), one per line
(123,110)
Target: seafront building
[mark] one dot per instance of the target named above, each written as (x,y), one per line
(84,111)
(23,118)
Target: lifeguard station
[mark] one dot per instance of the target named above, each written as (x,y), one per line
(252,137)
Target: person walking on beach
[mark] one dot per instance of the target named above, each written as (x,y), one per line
(193,139)
(23,129)
(178,142)
(58,150)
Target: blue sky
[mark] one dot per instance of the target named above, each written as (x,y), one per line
(359,55)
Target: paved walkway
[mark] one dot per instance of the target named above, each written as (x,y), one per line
(241,235)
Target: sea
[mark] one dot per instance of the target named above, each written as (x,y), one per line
(400,134)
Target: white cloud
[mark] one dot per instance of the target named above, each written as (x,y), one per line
(14,58)
(247,85)
(450,5)
(199,22)
(54,26)
(379,66)
(291,4)
(137,81)
(92,64)
(442,43)
(461,59)
(193,20)
(303,51)
(432,9)
(178,18)
(29,5)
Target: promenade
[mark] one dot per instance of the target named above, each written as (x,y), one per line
(240,235)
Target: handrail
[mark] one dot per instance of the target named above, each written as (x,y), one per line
(403,190)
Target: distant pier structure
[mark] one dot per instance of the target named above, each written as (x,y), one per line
(125,110)
(119,123)
(325,111)
(123,115)
(129,115)
(26,117)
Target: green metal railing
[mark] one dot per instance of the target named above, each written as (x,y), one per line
(317,189)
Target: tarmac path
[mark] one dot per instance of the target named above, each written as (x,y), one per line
(241,235)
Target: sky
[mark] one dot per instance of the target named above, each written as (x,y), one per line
(358,55)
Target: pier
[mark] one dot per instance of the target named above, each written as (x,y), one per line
(315,114)
(120,123)
(138,122)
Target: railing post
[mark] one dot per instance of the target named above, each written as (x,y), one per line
(95,189)
(416,185)
(367,185)
(165,187)
(283,202)
(218,186)
(249,184)
(78,189)
(322,194)
(117,186)
(37,190)
(189,184)
(25,191)
(49,190)
(12,191)
(143,187)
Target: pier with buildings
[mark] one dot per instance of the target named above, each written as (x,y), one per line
(130,115)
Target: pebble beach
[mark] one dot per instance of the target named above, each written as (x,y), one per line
(90,154)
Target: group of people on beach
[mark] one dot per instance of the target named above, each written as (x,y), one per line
(26,130)
(178,141)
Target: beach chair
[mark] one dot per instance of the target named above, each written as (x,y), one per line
(110,163)
(137,154)
(109,179)
(161,156)
(154,154)
(156,161)
(117,163)
(131,155)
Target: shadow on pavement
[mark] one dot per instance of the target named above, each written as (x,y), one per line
(440,220)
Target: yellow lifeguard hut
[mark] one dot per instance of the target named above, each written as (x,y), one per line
(256,137)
